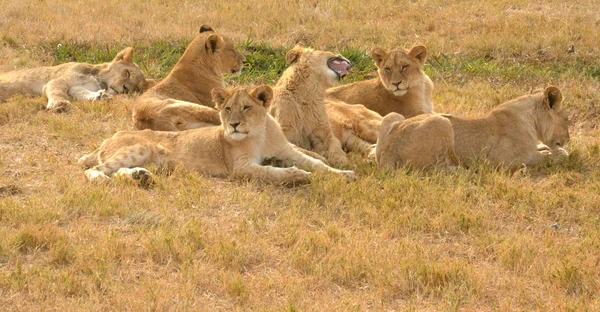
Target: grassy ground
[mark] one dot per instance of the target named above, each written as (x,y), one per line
(474,239)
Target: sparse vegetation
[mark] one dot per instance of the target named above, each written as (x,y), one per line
(477,238)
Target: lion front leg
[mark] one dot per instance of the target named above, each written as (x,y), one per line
(83,94)
(274,175)
(323,140)
(56,90)
(290,154)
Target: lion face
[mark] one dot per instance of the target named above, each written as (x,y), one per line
(327,66)
(243,112)
(398,70)
(231,60)
(123,75)
(555,119)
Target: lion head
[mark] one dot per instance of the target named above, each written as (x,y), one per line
(243,112)
(399,71)
(122,75)
(552,119)
(230,60)
(328,67)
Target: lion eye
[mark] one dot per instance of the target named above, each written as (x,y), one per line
(125,89)
(387,70)
(127,73)
(405,67)
(228,109)
(246,108)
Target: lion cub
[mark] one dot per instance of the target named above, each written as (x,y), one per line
(247,135)
(299,100)
(402,85)
(508,135)
(182,100)
(80,81)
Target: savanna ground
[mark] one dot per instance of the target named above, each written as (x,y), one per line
(475,239)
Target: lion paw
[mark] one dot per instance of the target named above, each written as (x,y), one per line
(372,156)
(296,175)
(61,106)
(141,175)
(100,96)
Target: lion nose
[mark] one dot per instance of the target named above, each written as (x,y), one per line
(234,125)
(397,84)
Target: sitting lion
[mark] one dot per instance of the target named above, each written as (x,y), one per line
(247,135)
(402,85)
(508,135)
(183,100)
(299,100)
(80,81)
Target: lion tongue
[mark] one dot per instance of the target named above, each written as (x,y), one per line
(342,67)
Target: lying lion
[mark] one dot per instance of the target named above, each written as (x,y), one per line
(247,135)
(508,135)
(299,100)
(402,85)
(79,81)
(355,126)
(183,100)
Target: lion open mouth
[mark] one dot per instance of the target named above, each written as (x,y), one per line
(340,66)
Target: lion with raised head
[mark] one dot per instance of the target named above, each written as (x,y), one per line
(183,100)
(299,100)
(79,81)
(508,135)
(402,86)
(247,136)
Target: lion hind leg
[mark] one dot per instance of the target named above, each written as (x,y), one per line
(89,160)
(56,92)
(129,157)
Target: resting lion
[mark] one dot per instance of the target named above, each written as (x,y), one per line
(80,81)
(354,125)
(402,85)
(182,100)
(508,135)
(299,100)
(246,136)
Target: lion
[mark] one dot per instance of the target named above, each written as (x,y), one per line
(79,81)
(299,101)
(402,86)
(183,100)
(355,126)
(247,136)
(507,136)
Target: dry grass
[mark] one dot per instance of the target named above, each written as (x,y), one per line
(474,239)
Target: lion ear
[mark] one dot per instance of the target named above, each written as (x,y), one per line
(213,43)
(419,53)
(204,28)
(294,54)
(126,55)
(378,55)
(264,94)
(219,95)
(553,98)
(148,83)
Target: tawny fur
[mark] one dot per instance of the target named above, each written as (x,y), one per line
(508,135)
(247,136)
(79,81)
(402,86)
(182,100)
(299,103)
(418,142)
(354,125)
